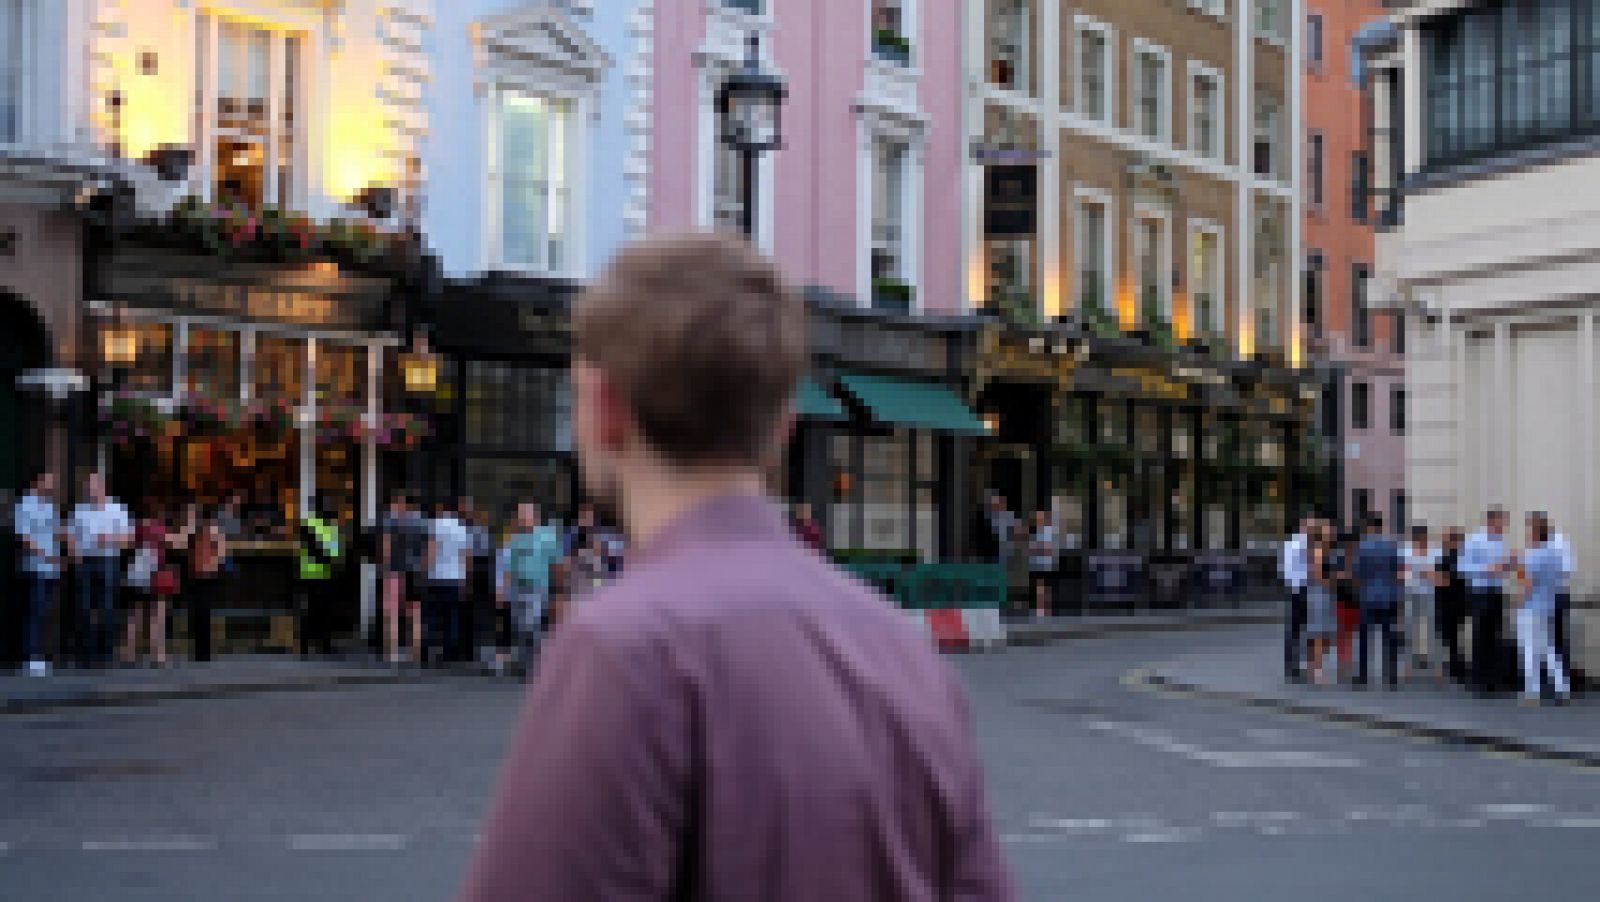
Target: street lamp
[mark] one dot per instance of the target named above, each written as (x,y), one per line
(750,120)
(419,374)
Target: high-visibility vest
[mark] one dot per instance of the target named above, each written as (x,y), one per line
(327,535)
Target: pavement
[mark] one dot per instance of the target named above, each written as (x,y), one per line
(1100,790)
(238,675)
(1422,707)
(228,676)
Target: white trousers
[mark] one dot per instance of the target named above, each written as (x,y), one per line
(1538,651)
(1418,621)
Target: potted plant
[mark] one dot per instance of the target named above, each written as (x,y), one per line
(889,44)
(892,294)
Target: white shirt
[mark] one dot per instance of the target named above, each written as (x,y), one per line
(1569,564)
(1418,565)
(35,520)
(1295,563)
(452,546)
(94,530)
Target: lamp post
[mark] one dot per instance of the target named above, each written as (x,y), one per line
(750,121)
(419,374)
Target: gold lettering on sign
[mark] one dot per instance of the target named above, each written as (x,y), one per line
(1153,383)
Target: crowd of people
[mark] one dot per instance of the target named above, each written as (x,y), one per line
(1419,595)
(130,574)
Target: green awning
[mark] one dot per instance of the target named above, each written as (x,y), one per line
(914,405)
(811,402)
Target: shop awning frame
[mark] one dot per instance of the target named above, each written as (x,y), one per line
(913,404)
(812,402)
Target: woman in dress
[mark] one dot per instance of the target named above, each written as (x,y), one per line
(1322,623)
(207,554)
(146,608)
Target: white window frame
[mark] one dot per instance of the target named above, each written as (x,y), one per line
(1085,195)
(17,71)
(908,26)
(1140,48)
(874,130)
(1219,119)
(307,142)
(1198,228)
(1082,25)
(1148,211)
(1276,135)
(575,135)
(1025,51)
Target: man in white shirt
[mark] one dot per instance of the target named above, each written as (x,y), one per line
(1486,564)
(96,534)
(1294,568)
(38,529)
(449,562)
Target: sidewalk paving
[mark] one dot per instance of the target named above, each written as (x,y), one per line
(1040,631)
(233,675)
(1420,707)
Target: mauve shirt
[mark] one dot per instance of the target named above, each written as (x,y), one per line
(736,719)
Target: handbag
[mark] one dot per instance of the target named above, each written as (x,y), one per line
(142,568)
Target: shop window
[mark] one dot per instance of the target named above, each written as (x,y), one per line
(211,364)
(252,134)
(341,374)
(1095,70)
(278,368)
(151,371)
(530,198)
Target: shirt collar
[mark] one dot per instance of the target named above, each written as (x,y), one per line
(725,518)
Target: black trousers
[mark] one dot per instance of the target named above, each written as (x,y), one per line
(1561,634)
(1294,628)
(314,599)
(443,613)
(1449,614)
(202,599)
(1488,619)
(1382,620)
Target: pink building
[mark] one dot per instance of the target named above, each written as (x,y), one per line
(853,202)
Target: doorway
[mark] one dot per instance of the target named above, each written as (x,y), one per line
(22,416)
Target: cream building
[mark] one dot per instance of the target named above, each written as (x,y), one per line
(1493,249)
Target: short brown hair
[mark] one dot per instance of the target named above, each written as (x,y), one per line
(704,339)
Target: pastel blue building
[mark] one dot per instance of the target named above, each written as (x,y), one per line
(527,163)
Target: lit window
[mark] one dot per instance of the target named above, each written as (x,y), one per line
(1093,254)
(251,134)
(1207,280)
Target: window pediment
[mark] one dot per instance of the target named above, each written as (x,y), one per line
(537,42)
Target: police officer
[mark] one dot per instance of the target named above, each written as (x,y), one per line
(319,551)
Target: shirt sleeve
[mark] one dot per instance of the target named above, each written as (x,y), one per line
(591,803)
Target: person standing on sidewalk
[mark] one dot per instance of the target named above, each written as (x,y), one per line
(320,549)
(1377,575)
(1561,621)
(397,537)
(449,564)
(1321,619)
(1042,561)
(97,532)
(1451,603)
(1421,562)
(1543,572)
(733,718)
(522,577)
(37,524)
(1486,564)
(208,552)
(1293,569)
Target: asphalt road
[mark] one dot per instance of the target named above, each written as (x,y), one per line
(1100,791)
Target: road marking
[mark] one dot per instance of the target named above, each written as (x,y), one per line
(1171,834)
(1571,823)
(1162,741)
(348,842)
(1244,818)
(1514,809)
(4,847)
(1071,825)
(166,844)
